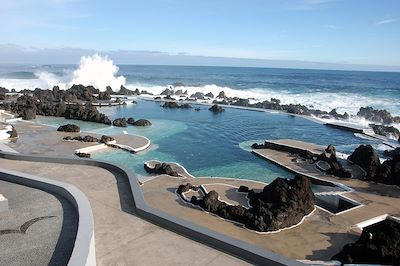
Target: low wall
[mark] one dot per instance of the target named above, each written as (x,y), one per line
(224,243)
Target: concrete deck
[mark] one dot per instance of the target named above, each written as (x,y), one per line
(46,241)
(41,139)
(319,237)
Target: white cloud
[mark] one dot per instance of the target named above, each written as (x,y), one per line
(386,21)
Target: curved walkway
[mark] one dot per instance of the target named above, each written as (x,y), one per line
(120,237)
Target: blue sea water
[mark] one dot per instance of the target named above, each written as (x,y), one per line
(209,144)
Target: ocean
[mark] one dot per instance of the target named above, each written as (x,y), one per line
(218,145)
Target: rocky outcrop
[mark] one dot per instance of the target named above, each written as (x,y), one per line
(336,115)
(216,109)
(366,157)
(13,133)
(69,128)
(142,123)
(175,105)
(387,173)
(125,91)
(387,131)
(209,95)
(221,95)
(281,204)
(130,121)
(198,95)
(185,188)
(161,169)
(86,113)
(104,139)
(378,116)
(82,154)
(120,122)
(378,244)
(104,96)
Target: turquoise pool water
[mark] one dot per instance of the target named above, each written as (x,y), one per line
(209,144)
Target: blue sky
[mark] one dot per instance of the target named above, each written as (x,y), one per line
(333,31)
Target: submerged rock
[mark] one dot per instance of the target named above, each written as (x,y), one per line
(216,109)
(69,128)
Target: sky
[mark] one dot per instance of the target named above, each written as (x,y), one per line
(338,32)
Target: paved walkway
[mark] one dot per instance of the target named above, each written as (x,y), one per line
(38,229)
(120,237)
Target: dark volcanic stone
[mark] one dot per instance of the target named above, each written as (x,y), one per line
(388,131)
(210,95)
(221,95)
(106,139)
(379,116)
(13,132)
(185,188)
(142,123)
(216,109)
(82,154)
(378,244)
(366,157)
(69,128)
(130,121)
(160,169)
(120,122)
(198,95)
(243,189)
(281,204)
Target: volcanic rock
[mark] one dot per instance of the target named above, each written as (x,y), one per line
(378,244)
(69,128)
(120,122)
(216,109)
(161,169)
(142,123)
(366,157)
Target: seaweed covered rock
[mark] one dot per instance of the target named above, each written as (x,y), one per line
(281,204)
(378,244)
(69,128)
(366,157)
(161,169)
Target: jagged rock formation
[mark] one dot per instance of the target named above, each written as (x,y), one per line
(69,128)
(378,244)
(387,173)
(281,204)
(379,116)
(387,131)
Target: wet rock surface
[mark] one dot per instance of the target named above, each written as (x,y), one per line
(216,109)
